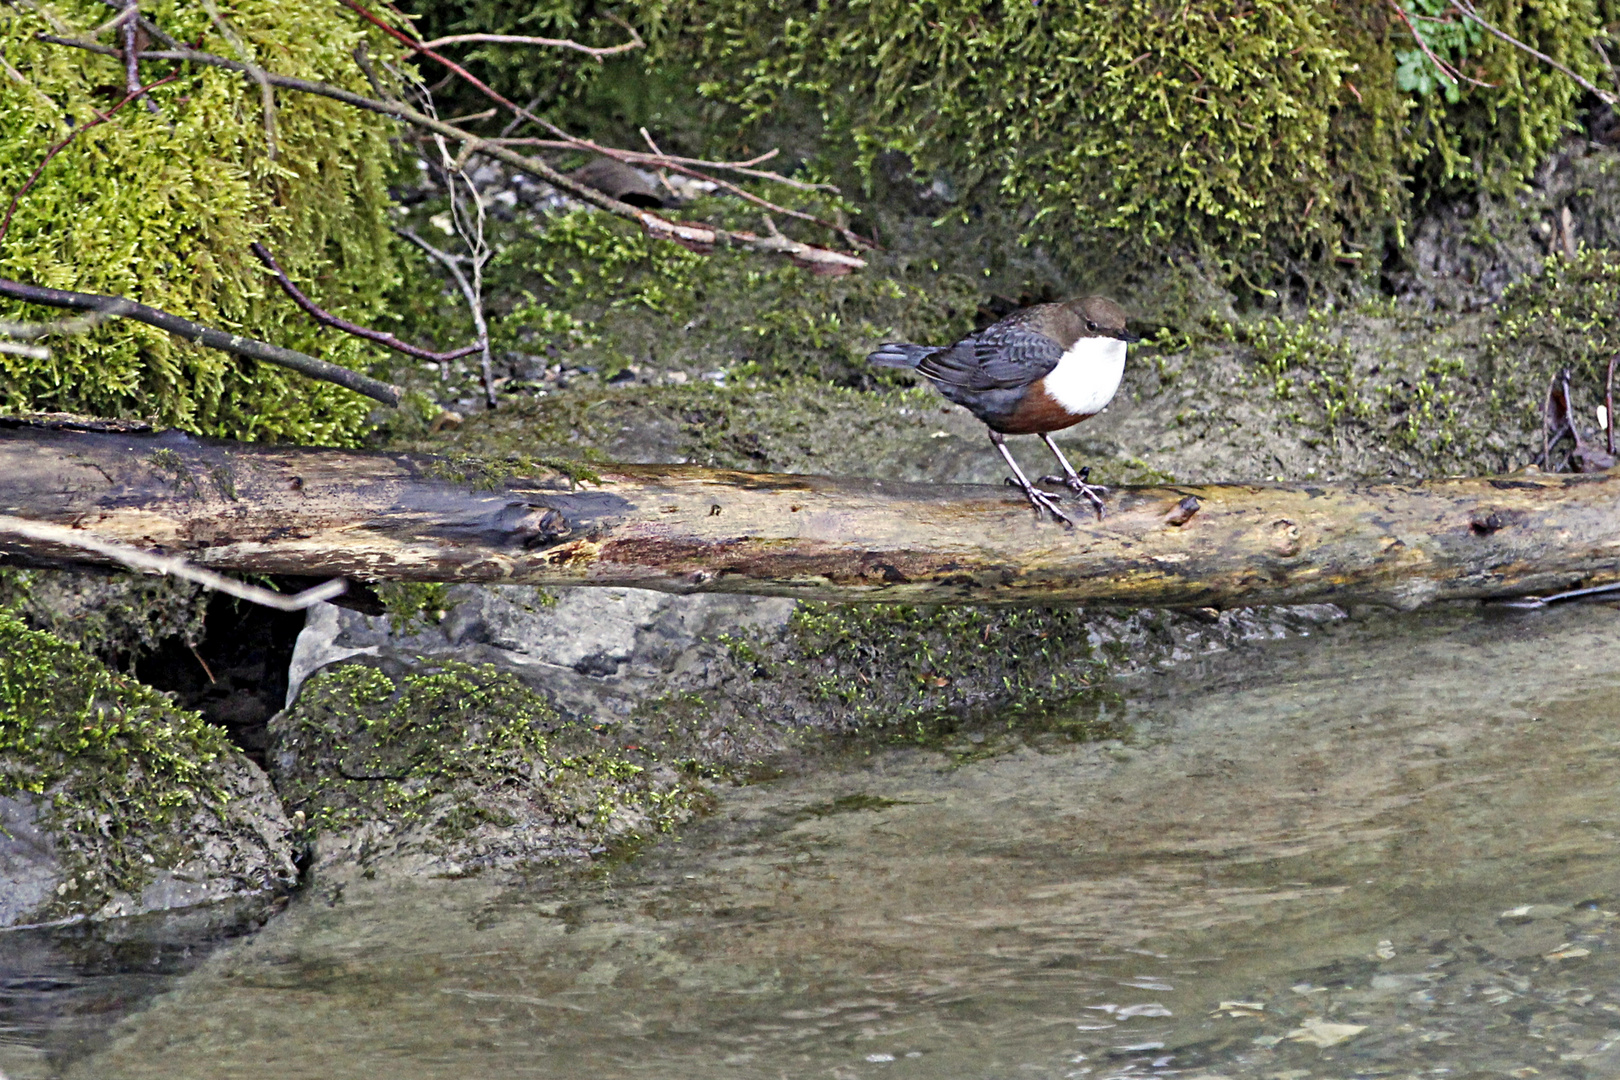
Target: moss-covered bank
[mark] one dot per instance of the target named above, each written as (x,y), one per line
(131,788)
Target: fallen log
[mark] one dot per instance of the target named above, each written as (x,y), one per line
(397,517)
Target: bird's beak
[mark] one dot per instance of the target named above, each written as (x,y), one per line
(1128,338)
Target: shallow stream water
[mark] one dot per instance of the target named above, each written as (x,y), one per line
(1389,849)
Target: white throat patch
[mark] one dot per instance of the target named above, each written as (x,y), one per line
(1087,376)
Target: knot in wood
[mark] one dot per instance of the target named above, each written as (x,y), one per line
(1285,538)
(532,525)
(1183,511)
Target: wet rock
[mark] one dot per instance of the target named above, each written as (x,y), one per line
(593,653)
(423,764)
(29,866)
(620,181)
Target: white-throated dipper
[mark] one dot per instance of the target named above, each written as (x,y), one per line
(1037,371)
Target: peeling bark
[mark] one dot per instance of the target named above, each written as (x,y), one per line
(398,517)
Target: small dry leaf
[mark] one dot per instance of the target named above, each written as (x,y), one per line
(1324,1033)
(1567,951)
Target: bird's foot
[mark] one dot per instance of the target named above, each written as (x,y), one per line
(1092,493)
(1076,481)
(1043,503)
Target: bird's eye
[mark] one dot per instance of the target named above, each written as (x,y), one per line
(1090,325)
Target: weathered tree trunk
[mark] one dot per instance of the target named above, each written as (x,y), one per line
(397,517)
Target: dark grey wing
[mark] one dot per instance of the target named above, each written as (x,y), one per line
(1000,357)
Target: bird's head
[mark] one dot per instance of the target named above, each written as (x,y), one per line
(1101,317)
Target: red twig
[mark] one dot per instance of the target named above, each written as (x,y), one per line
(101,118)
(320,315)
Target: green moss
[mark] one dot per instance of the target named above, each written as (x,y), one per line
(162,207)
(114,617)
(913,672)
(413,604)
(118,770)
(586,291)
(1306,358)
(1567,316)
(1263,135)
(461,747)
(492,474)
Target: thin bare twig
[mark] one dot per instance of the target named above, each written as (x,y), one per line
(555,43)
(1608,65)
(101,118)
(321,315)
(449,262)
(819,260)
(1468,10)
(471,230)
(267,96)
(136,559)
(130,28)
(33,331)
(634,157)
(120,307)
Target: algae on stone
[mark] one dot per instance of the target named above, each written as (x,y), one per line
(464,760)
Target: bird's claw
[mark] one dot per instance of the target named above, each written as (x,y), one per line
(1045,502)
(1092,493)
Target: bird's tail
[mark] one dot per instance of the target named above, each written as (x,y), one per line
(900,354)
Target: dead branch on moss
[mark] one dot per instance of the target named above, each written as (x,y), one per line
(147,562)
(1468,11)
(326,318)
(696,236)
(586,144)
(398,517)
(123,308)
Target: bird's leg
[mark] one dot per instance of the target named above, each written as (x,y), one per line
(1038,499)
(1075,480)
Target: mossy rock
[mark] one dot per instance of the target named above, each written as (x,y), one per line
(145,804)
(1371,390)
(161,207)
(458,765)
(1266,139)
(116,617)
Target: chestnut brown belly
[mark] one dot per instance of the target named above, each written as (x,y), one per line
(1037,412)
